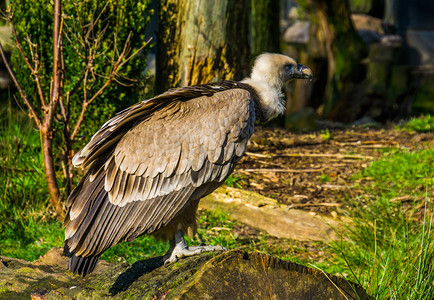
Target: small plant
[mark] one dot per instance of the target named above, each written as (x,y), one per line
(326,135)
(325,178)
(421,124)
(235,180)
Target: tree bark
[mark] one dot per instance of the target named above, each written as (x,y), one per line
(47,126)
(265,26)
(202,41)
(50,174)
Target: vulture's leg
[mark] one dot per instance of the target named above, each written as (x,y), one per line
(179,249)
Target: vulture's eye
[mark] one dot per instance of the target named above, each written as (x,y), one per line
(288,67)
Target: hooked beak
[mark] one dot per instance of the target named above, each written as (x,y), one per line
(302,72)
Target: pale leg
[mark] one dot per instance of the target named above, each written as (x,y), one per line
(179,249)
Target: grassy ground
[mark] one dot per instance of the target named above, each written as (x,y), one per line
(26,229)
(388,248)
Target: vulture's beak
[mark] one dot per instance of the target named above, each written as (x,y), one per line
(302,72)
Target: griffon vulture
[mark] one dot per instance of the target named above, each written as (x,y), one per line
(148,167)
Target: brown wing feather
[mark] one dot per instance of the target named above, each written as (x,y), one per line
(156,166)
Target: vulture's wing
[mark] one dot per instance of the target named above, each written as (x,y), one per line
(138,182)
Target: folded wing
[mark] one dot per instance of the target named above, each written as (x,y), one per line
(147,164)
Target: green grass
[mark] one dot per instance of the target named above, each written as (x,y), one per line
(389,246)
(235,180)
(26,229)
(326,135)
(421,124)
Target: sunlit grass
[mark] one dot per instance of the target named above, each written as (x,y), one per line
(388,248)
(421,124)
(26,228)
(235,180)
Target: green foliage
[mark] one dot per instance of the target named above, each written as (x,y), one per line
(389,246)
(235,180)
(326,135)
(421,124)
(423,98)
(111,26)
(400,172)
(325,178)
(26,230)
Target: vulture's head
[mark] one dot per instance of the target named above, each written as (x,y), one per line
(276,69)
(268,76)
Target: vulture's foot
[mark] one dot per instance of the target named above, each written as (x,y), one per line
(179,249)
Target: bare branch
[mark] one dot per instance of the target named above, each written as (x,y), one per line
(92,44)
(76,86)
(35,69)
(136,52)
(121,83)
(101,12)
(83,107)
(79,40)
(20,106)
(57,70)
(18,44)
(33,114)
(94,21)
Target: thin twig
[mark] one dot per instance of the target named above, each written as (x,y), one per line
(35,69)
(258,154)
(375,256)
(336,186)
(340,156)
(113,73)
(16,169)
(20,89)
(260,170)
(18,44)
(328,277)
(314,204)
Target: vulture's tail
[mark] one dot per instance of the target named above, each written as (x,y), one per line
(86,198)
(80,265)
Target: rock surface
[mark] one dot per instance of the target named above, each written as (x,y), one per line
(230,275)
(267,214)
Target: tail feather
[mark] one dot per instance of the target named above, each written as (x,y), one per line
(80,265)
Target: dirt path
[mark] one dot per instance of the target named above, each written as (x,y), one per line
(312,171)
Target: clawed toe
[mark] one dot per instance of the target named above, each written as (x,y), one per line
(179,249)
(190,251)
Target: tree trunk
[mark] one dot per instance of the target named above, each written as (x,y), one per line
(50,174)
(47,126)
(265,26)
(202,41)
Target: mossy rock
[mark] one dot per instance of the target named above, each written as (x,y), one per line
(230,275)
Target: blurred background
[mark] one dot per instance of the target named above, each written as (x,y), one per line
(372,60)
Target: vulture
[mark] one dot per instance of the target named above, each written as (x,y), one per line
(147,168)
